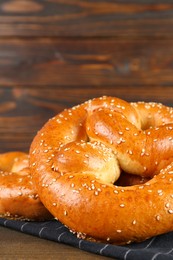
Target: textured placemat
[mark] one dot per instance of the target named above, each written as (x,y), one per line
(157,248)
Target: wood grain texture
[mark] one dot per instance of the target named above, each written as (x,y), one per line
(90,62)
(17,245)
(23,111)
(89,18)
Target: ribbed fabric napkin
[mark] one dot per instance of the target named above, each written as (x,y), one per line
(157,248)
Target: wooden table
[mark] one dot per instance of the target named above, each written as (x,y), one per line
(56,54)
(16,245)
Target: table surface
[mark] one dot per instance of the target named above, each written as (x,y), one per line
(16,245)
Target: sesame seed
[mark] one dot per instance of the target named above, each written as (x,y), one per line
(135,134)
(157,217)
(167,205)
(75,191)
(67,149)
(92,187)
(141,187)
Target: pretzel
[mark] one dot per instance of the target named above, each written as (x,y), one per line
(18,198)
(78,155)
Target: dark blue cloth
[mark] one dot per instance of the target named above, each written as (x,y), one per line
(157,248)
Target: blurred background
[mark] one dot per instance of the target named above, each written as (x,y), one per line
(57,53)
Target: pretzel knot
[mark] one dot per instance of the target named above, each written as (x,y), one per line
(77,157)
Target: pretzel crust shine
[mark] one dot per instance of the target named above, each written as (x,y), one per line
(78,156)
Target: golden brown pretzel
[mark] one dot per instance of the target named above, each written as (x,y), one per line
(75,160)
(18,198)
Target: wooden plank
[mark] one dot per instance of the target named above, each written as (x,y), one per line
(18,244)
(96,62)
(23,111)
(76,18)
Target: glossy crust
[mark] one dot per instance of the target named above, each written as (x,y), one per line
(18,197)
(77,156)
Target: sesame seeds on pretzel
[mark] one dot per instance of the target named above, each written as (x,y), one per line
(77,157)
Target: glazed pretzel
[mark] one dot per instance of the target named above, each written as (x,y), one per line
(78,155)
(18,198)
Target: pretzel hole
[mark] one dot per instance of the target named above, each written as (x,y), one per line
(127,179)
